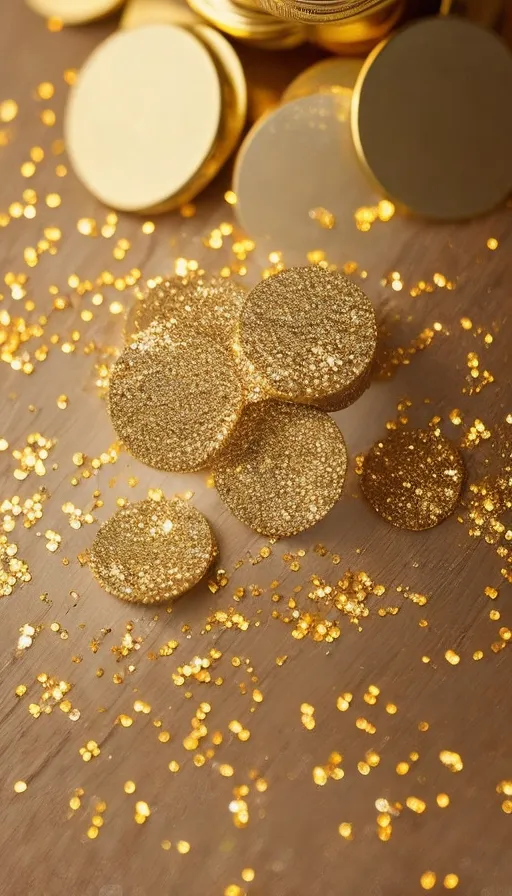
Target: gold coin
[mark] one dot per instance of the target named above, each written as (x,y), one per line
(152,551)
(234,92)
(344,399)
(360,35)
(284,469)
(253,26)
(327,76)
(299,159)
(75,12)
(310,333)
(207,305)
(128,121)
(322,10)
(174,399)
(413,479)
(158,12)
(443,146)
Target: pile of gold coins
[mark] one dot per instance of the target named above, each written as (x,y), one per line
(212,377)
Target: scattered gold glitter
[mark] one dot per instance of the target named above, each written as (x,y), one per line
(451,881)
(345,830)
(428,880)
(413,478)
(13,571)
(183,847)
(442,800)
(152,550)
(283,470)
(20,787)
(205,305)
(310,333)
(451,760)
(174,401)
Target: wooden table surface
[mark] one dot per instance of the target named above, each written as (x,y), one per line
(248,802)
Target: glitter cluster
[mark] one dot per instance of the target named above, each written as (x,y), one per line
(413,478)
(309,332)
(284,470)
(152,551)
(174,399)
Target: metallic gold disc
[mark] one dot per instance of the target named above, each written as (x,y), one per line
(413,479)
(250,25)
(128,122)
(174,398)
(442,145)
(310,333)
(158,12)
(344,399)
(152,551)
(207,305)
(283,470)
(358,36)
(75,12)
(322,10)
(299,182)
(234,92)
(327,76)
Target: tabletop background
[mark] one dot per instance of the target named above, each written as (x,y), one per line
(80,666)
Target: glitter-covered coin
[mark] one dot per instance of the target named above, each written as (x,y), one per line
(413,479)
(174,399)
(344,399)
(152,551)
(310,333)
(208,305)
(283,470)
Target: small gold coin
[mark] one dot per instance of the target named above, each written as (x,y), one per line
(143,118)
(359,36)
(207,305)
(327,76)
(442,145)
(75,12)
(322,10)
(158,12)
(413,478)
(310,333)
(152,551)
(283,470)
(174,398)
(344,399)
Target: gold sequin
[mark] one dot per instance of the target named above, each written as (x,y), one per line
(413,479)
(152,551)
(174,399)
(283,470)
(310,333)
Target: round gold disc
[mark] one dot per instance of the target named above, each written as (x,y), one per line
(299,182)
(310,333)
(250,25)
(158,12)
(207,305)
(128,121)
(360,35)
(431,118)
(152,551)
(75,12)
(413,479)
(174,398)
(327,76)
(322,10)
(283,470)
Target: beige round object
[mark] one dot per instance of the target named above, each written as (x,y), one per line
(234,91)
(158,12)
(413,478)
(310,333)
(143,118)
(284,469)
(327,76)
(174,398)
(152,551)
(75,12)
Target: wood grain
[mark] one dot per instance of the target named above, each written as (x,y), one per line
(291,840)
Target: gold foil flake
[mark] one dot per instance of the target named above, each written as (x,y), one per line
(451,760)
(283,470)
(205,305)
(31,458)
(13,570)
(428,880)
(151,551)
(310,333)
(345,830)
(20,786)
(174,401)
(30,510)
(413,478)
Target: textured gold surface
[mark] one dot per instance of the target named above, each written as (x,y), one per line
(343,399)
(207,305)
(128,118)
(322,10)
(443,146)
(283,470)
(327,76)
(309,332)
(360,35)
(413,478)
(251,25)
(75,12)
(152,551)
(174,398)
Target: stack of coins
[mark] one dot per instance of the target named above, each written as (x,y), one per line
(248,23)
(141,154)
